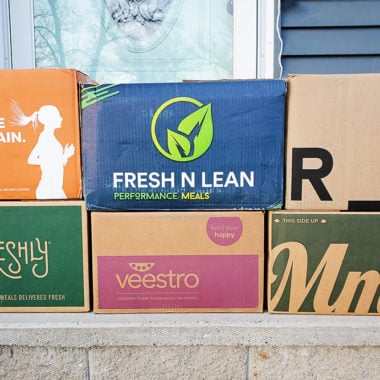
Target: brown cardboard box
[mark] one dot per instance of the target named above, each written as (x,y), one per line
(324,262)
(333,139)
(44,257)
(178,261)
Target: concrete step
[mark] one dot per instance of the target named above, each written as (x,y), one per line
(188,346)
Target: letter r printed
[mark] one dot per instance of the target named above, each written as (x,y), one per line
(313,175)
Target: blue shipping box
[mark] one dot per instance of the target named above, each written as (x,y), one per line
(184,146)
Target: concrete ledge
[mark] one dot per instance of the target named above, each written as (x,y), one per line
(188,346)
(117,330)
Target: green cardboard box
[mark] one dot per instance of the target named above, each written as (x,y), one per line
(43,257)
(324,263)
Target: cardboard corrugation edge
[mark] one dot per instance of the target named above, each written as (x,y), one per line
(80,78)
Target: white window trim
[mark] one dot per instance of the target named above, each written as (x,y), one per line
(18,34)
(255,44)
(245,39)
(5,40)
(269,42)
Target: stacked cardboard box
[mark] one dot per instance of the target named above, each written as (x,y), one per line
(175,161)
(43,256)
(177,179)
(324,250)
(43,237)
(178,261)
(184,146)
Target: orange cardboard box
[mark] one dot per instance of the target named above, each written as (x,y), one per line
(39,134)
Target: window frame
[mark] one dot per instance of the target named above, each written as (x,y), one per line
(255,44)
(5,47)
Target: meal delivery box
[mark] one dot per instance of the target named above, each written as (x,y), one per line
(333,139)
(39,134)
(324,263)
(43,256)
(191,145)
(178,261)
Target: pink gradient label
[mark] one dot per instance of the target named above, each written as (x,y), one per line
(171,282)
(224,230)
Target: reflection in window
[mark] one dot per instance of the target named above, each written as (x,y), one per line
(136,40)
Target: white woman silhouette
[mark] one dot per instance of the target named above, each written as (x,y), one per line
(48,153)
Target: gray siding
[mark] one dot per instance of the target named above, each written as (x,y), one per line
(330,36)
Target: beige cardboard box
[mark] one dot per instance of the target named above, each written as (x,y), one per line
(178,261)
(324,263)
(44,256)
(333,139)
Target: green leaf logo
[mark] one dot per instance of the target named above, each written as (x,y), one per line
(193,135)
(178,145)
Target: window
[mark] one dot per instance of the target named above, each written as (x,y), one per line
(141,40)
